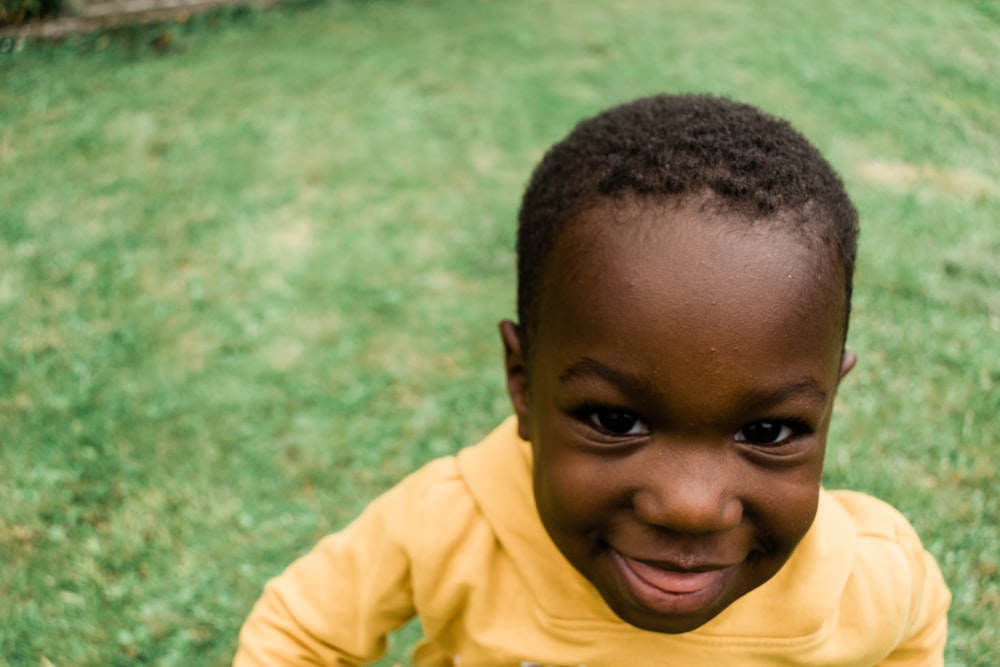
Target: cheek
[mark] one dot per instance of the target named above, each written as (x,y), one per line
(572,493)
(787,507)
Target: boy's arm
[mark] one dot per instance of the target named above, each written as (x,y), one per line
(336,604)
(924,644)
(900,595)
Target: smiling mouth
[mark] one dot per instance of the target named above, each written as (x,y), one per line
(673,581)
(672,591)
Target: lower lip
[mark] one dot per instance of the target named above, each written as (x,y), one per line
(671,593)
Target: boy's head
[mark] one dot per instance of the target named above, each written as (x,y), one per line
(684,279)
(732,157)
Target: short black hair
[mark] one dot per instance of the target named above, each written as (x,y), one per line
(673,147)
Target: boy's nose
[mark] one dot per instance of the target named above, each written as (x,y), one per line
(689,492)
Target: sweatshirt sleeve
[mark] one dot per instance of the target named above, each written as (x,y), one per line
(336,605)
(923,634)
(924,644)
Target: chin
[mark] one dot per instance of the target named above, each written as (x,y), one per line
(673,625)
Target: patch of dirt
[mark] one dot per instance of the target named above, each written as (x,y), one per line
(960,182)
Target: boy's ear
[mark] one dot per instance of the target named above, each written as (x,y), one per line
(847,361)
(517,374)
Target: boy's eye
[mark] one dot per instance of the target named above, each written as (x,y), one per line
(617,422)
(765,433)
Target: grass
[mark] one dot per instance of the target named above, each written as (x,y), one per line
(249,282)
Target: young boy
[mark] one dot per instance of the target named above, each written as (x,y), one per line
(684,284)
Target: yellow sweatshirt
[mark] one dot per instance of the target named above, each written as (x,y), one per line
(460,544)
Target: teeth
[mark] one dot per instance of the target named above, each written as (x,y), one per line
(672,582)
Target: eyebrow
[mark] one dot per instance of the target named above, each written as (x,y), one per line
(588,367)
(806,389)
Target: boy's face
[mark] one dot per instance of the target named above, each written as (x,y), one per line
(677,399)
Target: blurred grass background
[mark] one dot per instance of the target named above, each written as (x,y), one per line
(249,280)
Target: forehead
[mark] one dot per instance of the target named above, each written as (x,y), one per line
(634,270)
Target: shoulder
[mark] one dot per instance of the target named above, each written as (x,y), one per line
(893,576)
(433,505)
(480,489)
(433,477)
(874,519)
(435,488)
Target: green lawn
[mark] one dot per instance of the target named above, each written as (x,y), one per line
(249,282)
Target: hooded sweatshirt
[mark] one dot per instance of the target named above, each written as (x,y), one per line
(459,543)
